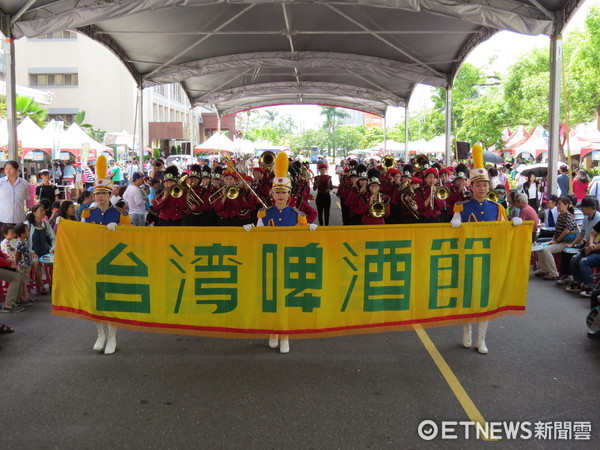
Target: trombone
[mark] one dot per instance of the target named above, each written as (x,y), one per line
(231,192)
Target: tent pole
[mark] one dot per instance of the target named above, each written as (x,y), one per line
(11,87)
(141,143)
(554,105)
(448,124)
(406,134)
(384,136)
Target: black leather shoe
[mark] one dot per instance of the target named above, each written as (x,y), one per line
(593,334)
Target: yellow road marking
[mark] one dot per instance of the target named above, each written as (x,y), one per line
(459,392)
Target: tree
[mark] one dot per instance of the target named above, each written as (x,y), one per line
(332,116)
(28,107)
(95,134)
(582,72)
(483,121)
(372,136)
(270,116)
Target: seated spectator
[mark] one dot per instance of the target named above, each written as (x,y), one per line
(578,214)
(565,232)
(8,273)
(85,199)
(66,211)
(549,217)
(513,210)
(569,261)
(526,212)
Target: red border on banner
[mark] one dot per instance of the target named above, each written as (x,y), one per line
(225,332)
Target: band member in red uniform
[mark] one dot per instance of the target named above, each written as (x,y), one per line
(170,207)
(373,206)
(345,186)
(198,204)
(354,195)
(460,191)
(430,207)
(323,185)
(227,203)
(262,183)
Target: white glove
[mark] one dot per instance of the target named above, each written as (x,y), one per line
(313,226)
(456,220)
(58,219)
(112,226)
(248,227)
(517,221)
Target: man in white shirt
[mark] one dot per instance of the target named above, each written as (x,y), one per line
(136,200)
(13,193)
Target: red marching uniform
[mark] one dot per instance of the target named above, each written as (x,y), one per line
(170,209)
(304,207)
(362,208)
(428,211)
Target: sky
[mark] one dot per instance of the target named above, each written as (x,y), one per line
(505,46)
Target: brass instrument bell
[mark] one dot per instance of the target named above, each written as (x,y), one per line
(267,159)
(442,193)
(377,209)
(388,162)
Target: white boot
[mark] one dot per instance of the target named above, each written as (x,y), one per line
(274,340)
(111,343)
(284,346)
(481,347)
(99,345)
(467,341)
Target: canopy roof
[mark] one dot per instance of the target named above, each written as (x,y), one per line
(241,54)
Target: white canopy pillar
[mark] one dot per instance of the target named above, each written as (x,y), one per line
(384,136)
(406,159)
(11,86)
(141,125)
(556,56)
(448,124)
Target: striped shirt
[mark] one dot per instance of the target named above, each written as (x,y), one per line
(565,220)
(12,200)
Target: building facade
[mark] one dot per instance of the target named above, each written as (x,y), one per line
(85,76)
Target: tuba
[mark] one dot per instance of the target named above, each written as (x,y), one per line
(377,209)
(420,162)
(493,196)
(267,159)
(388,162)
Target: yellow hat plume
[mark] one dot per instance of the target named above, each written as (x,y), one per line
(281,165)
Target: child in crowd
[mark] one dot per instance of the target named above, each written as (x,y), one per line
(23,260)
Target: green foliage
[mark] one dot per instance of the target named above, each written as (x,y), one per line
(27,107)
(582,73)
(483,121)
(332,116)
(372,136)
(307,139)
(266,133)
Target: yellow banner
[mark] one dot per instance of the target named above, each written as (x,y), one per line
(335,280)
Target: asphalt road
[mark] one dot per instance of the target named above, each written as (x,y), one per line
(365,391)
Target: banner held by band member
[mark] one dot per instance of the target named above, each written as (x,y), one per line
(227,282)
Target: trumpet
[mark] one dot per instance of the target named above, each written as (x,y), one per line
(388,162)
(377,209)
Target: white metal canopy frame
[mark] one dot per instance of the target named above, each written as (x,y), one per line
(241,54)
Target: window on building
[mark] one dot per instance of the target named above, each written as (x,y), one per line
(67,118)
(53,79)
(64,34)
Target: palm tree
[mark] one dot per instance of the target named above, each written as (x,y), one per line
(27,107)
(332,115)
(271,116)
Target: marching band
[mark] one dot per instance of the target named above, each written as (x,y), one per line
(391,192)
